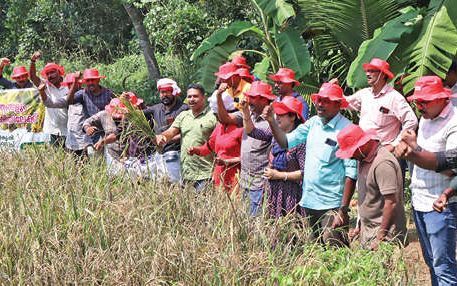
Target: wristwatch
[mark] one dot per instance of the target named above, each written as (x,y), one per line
(345,209)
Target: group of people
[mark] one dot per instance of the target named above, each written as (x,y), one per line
(257,139)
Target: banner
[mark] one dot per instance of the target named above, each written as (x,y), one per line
(21,118)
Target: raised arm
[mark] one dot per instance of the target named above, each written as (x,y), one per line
(278,133)
(33,76)
(222,113)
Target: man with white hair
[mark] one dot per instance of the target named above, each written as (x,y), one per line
(167,159)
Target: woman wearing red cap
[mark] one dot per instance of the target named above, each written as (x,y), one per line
(19,75)
(285,169)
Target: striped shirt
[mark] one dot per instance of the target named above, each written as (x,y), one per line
(434,135)
(387,112)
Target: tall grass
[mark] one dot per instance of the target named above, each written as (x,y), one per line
(66,222)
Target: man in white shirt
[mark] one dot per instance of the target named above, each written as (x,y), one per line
(437,132)
(55,120)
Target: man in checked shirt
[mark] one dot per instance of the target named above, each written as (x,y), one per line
(93,98)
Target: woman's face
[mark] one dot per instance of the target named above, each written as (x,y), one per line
(286,121)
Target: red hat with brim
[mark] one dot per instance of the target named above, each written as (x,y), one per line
(245,74)
(285,75)
(91,74)
(331,91)
(227,70)
(19,71)
(69,79)
(260,88)
(378,64)
(240,62)
(351,138)
(52,67)
(289,104)
(429,88)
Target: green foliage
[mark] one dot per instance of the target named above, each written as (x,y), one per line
(435,46)
(101,29)
(337,29)
(280,44)
(385,40)
(67,222)
(361,267)
(293,52)
(234,30)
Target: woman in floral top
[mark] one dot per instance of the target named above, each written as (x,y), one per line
(286,167)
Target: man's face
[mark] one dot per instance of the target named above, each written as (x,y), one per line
(195,99)
(430,109)
(167,97)
(283,87)
(327,108)
(22,80)
(258,103)
(53,77)
(233,81)
(93,84)
(373,76)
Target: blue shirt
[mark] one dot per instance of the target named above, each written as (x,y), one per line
(92,104)
(7,84)
(325,174)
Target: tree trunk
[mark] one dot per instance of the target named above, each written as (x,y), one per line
(148,47)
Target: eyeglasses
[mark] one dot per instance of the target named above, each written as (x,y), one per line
(372,71)
(423,103)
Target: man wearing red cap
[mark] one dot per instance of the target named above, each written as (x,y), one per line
(19,75)
(76,141)
(164,114)
(328,182)
(381,107)
(285,83)
(380,187)
(93,98)
(254,152)
(437,133)
(235,82)
(55,120)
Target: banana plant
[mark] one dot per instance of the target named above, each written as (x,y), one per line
(425,42)
(281,44)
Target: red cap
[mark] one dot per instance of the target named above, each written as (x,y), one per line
(50,67)
(240,62)
(289,104)
(351,138)
(429,88)
(331,91)
(260,88)
(69,79)
(244,73)
(91,74)
(227,70)
(19,71)
(285,75)
(381,65)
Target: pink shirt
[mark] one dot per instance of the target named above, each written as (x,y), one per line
(387,112)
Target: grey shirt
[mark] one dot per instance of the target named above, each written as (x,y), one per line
(254,155)
(163,119)
(446,160)
(7,84)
